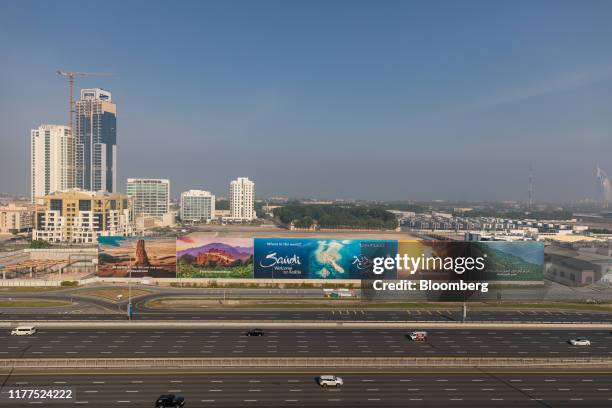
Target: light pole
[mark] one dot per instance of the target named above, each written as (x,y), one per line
(129,307)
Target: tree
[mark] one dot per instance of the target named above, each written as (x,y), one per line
(39,244)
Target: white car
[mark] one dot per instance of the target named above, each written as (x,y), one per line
(418,336)
(23,331)
(580,342)
(330,381)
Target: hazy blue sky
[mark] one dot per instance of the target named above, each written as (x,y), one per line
(372,99)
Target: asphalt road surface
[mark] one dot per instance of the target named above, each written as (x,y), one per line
(323,315)
(469,389)
(48,343)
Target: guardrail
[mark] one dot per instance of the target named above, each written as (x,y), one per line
(297,362)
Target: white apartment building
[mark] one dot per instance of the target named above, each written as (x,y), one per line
(78,216)
(52,160)
(242,195)
(197,206)
(151,196)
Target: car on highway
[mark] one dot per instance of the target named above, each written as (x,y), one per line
(580,342)
(330,381)
(418,336)
(170,400)
(23,331)
(255,332)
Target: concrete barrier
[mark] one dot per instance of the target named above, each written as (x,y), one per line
(292,324)
(298,362)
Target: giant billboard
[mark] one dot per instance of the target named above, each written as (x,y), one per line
(510,261)
(137,257)
(209,255)
(307,258)
(202,255)
(502,260)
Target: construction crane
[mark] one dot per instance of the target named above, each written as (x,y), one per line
(71,76)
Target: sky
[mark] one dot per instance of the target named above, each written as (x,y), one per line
(390,100)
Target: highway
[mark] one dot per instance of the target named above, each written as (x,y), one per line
(320,315)
(291,389)
(72,343)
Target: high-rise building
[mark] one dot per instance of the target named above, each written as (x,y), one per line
(242,193)
(78,216)
(151,196)
(197,206)
(96,141)
(52,160)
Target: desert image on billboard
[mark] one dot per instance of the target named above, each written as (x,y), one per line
(138,256)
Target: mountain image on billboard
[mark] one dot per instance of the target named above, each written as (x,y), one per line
(137,257)
(208,256)
(511,261)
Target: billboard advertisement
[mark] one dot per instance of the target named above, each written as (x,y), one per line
(201,255)
(510,261)
(137,256)
(411,251)
(458,271)
(501,260)
(306,258)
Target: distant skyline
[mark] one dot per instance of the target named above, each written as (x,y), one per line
(394,100)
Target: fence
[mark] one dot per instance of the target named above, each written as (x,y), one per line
(297,362)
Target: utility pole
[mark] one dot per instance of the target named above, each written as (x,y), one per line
(71,75)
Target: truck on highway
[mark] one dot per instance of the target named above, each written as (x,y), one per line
(338,293)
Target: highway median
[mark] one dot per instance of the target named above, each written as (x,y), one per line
(297,362)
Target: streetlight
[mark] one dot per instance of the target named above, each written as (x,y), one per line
(129,306)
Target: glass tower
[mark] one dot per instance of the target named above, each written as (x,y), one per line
(96,141)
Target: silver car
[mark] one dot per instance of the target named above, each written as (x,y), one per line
(330,381)
(580,342)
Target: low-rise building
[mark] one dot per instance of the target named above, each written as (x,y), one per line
(15,218)
(78,216)
(576,267)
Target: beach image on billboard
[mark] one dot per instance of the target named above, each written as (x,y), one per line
(137,256)
(308,258)
(201,255)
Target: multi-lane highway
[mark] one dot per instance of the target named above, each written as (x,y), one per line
(325,315)
(291,389)
(72,343)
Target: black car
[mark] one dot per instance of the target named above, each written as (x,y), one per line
(170,400)
(255,332)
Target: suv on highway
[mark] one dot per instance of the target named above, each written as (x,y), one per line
(330,381)
(170,400)
(580,342)
(23,331)
(418,336)
(255,332)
